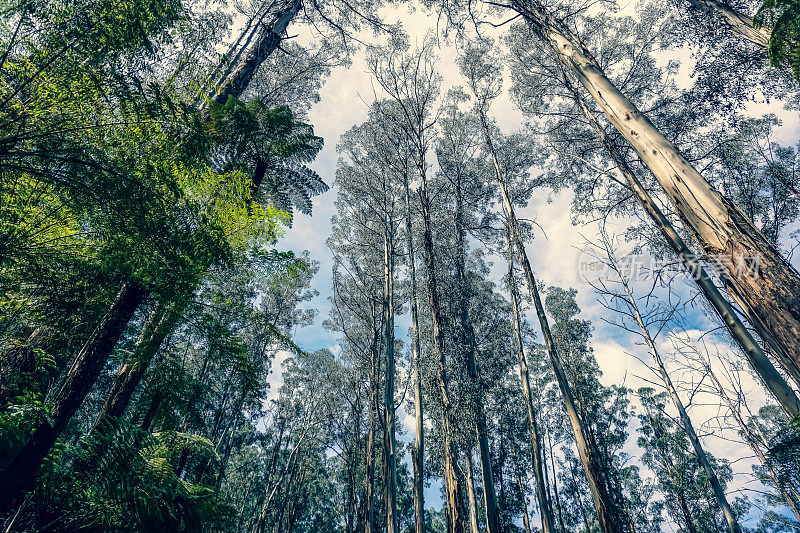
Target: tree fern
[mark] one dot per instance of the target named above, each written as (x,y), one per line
(784,43)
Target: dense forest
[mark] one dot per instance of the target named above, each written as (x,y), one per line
(174,358)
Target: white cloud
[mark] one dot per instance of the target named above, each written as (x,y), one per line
(554,252)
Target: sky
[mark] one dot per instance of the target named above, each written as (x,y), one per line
(555,251)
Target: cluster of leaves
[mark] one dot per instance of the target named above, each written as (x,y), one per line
(783,16)
(110,175)
(134,486)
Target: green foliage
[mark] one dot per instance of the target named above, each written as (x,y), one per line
(684,483)
(272,147)
(135,486)
(22,404)
(785,454)
(783,16)
(107,174)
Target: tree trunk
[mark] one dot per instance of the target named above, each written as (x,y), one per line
(545,509)
(159,324)
(223,465)
(555,484)
(454,500)
(473,502)
(20,475)
(686,422)
(687,515)
(291,463)
(610,516)
(773,381)
(489,497)
(738,23)
(389,455)
(288,494)
(577,497)
(775,347)
(269,38)
(18,358)
(418,450)
(152,409)
(768,285)
(526,521)
(369,474)
(352,464)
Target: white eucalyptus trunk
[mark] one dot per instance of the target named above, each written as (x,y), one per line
(772,290)
(770,377)
(737,22)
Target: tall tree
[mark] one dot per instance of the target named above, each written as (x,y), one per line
(542,490)
(631,310)
(410,80)
(456,152)
(718,225)
(484,80)
(634,184)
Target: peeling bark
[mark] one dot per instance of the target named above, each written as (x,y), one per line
(772,292)
(773,381)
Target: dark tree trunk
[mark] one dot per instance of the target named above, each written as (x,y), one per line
(489,497)
(20,475)
(454,498)
(158,326)
(545,509)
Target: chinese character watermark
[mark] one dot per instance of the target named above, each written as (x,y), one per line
(636,267)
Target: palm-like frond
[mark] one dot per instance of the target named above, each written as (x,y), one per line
(133,484)
(783,16)
(252,134)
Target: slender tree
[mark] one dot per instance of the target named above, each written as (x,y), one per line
(484,82)
(410,80)
(632,310)
(718,225)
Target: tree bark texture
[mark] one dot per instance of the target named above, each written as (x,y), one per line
(20,475)
(767,284)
